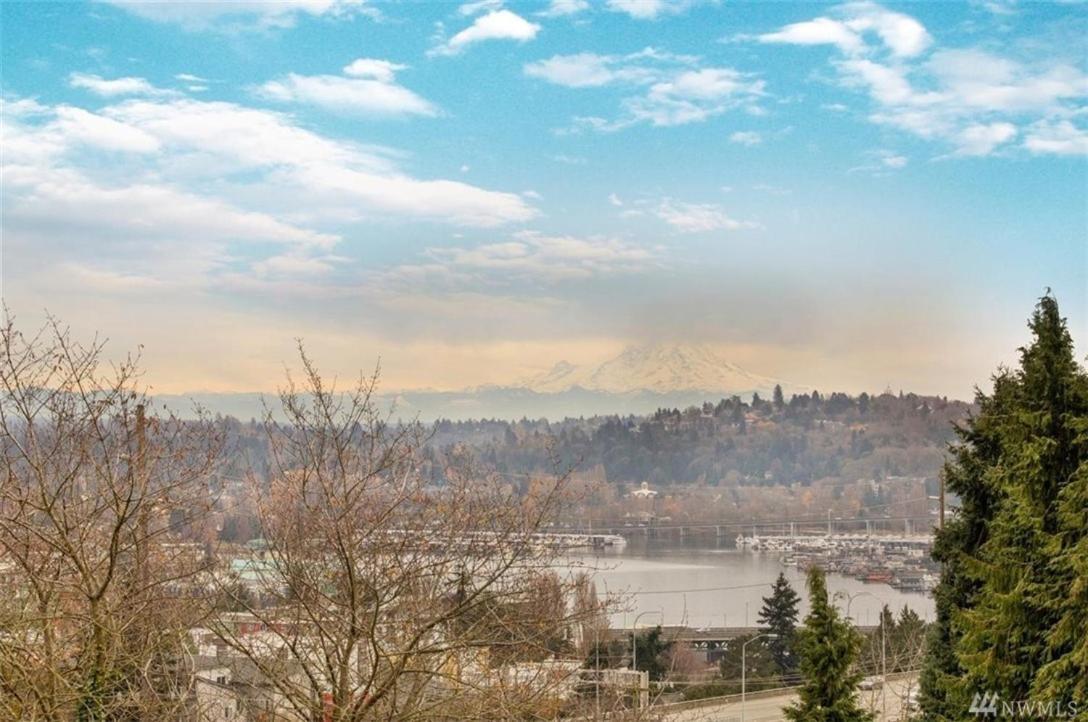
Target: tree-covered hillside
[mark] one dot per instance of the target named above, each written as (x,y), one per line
(765,442)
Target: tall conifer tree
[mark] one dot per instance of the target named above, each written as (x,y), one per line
(1013,596)
(828,646)
(779,617)
(1006,632)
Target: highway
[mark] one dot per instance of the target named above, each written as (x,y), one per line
(761,708)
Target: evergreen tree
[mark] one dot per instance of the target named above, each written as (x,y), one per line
(779,617)
(829,646)
(1013,597)
(1065,677)
(1043,445)
(778,399)
(943,695)
(650,653)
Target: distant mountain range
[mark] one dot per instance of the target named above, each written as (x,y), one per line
(639,380)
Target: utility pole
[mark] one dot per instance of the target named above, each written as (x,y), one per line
(942,502)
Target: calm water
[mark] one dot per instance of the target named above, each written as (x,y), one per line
(683,584)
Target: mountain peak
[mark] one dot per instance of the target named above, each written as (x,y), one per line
(658,367)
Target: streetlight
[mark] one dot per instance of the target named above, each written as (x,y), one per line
(634,633)
(883,642)
(744,668)
(634,647)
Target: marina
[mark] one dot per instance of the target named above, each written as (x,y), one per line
(900,561)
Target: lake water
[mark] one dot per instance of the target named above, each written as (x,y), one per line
(706,586)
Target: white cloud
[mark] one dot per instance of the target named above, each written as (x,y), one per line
(80,126)
(677,92)
(615,200)
(649,9)
(478,6)
(370,89)
(582,70)
(1060,138)
(698,217)
(527,256)
(211,193)
(587,70)
(240,15)
(973,100)
(695,95)
(65,198)
(983,138)
(495,25)
(820,31)
(115,87)
(317,169)
(900,34)
(561,8)
(894,161)
(746,137)
(373,68)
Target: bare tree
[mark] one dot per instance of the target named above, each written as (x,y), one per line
(381,596)
(95,498)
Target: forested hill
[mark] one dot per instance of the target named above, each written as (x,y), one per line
(807,438)
(731,442)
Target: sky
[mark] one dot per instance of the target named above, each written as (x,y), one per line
(849,196)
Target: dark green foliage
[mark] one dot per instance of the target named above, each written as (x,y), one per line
(1012,602)
(779,617)
(652,649)
(829,647)
(652,654)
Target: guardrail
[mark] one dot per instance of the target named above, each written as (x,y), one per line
(671,707)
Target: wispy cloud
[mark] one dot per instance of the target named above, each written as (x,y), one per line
(649,9)
(367,87)
(563,8)
(746,137)
(1059,137)
(114,87)
(673,89)
(494,25)
(901,34)
(971,99)
(212,193)
(251,15)
(528,256)
(698,217)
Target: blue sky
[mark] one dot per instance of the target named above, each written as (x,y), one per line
(844,195)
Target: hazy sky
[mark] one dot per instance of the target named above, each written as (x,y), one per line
(850,196)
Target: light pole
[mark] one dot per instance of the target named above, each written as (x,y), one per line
(883,643)
(634,633)
(634,650)
(744,668)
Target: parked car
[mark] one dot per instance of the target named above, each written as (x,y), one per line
(874,682)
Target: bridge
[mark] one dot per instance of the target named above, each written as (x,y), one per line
(655,527)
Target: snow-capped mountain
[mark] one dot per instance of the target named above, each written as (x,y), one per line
(637,381)
(661,368)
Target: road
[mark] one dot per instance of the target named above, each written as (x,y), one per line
(769,709)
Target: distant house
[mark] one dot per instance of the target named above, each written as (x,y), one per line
(644,492)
